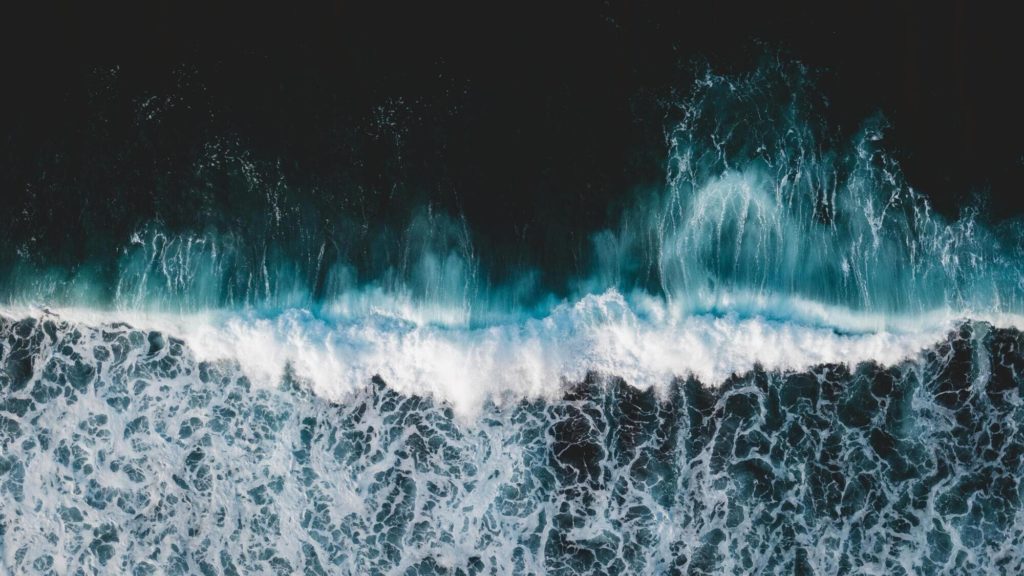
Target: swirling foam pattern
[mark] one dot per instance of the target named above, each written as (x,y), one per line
(123,453)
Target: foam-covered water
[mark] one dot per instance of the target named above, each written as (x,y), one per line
(125,454)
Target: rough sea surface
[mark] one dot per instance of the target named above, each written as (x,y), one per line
(122,454)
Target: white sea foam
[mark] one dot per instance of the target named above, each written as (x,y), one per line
(641,339)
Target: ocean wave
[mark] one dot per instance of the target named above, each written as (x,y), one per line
(645,341)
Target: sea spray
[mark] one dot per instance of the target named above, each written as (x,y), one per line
(123,452)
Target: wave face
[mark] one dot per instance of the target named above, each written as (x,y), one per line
(124,454)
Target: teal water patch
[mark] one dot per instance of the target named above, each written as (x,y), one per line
(763,202)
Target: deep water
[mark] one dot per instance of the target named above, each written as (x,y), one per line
(123,454)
